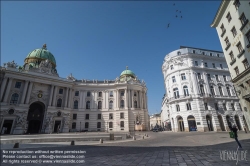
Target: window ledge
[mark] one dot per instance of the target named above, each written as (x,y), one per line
(223,33)
(227,47)
(233,61)
(245,23)
(241,53)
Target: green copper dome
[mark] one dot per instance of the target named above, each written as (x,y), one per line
(41,54)
(127,73)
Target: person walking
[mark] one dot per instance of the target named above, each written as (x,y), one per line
(234,129)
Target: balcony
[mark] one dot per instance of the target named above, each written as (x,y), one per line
(205,95)
(181,97)
(233,61)
(245,23)
(223,33)
(228,45)
(241,53)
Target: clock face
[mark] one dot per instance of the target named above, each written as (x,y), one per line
(40,95)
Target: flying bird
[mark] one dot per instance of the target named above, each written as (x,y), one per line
(168,25)
(174,3)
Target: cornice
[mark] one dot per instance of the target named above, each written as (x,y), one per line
(223,6)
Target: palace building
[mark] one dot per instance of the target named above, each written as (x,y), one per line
(34,99)
(199,93)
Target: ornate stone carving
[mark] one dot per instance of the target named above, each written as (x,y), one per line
(70,77)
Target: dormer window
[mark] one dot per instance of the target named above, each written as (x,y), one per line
(60,91)
(76,93)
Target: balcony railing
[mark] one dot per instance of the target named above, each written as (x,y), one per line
(223,33)
(245,23)
(233,61)
(241,53)
(180,97)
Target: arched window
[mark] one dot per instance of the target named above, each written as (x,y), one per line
(178,53)
(88,105)
(135,94)
(122,123)
(111,104)
(212,90)
(98,125)
(228,91)
(177,108)
(111,94)
(74,125)
(110,124)
(135,104)
(220,90)
(202,89)
(88,94)
(14,98)
(185,89)
(99,105)
(59,103)
(86,125)
(176,93)
(100,94)
(75,104)
(122,103)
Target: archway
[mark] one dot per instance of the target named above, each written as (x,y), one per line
(180,124)
(228,121)
(35,117)
(209,123)
(245,123)
(236,117)
(221,123)
(191,123)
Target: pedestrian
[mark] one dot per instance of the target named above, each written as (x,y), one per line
(245,129)
(234,129)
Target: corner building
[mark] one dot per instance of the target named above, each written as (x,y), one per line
(199,93)
(34,99)
(233,27)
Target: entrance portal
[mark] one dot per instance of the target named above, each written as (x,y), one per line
(221,123)
(236,117)
(228,121)
(191,123)
(35,117)
(57,126)
(181,124)
(7,125)
(209,123)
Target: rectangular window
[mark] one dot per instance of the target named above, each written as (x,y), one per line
(110,116)
(231,55)
(121,115)
(74,116)
(183,76)
(74,125)
(229,18)
(245,63)
(227,41)
(248,36)
(208,77)
(236,71)
(99,116)
(216,106)
(60,91)
(199,75)
(218,55)
(222,28)
(172,67)
(203,53)
(189,106)
(213,65)
(76,93)
(243,19)
(221,66)
(234,32)
(217,78)
(224,106)
(237,4)
(111,94)
(196,63)
(177,108)
(193,51)
(205,105)
(211,54)
(100,94)
(122,93)
(239,46)
(87,116)
(232,105)
(122,123)
(88,94)
(18,85)
(225,78)
(205,64)
(173,79)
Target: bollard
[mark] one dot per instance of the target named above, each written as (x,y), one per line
(72,143)
(16,145)
(101,140)
(134,138)
(142,137)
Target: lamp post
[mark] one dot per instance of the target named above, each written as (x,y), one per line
(80,126)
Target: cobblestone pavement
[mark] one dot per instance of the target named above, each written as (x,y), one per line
(163,149)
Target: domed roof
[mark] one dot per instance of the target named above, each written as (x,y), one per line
(127,72)
(41,54)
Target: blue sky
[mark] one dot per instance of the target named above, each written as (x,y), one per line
(97,40)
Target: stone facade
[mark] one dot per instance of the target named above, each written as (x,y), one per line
(199,92)
(233,28)
(34,99)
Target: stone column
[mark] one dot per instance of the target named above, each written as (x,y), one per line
(24,91)
(3,85)
(29,92)
(83,99)
(66,97)
(195,83)
(8,90)
(117,99)
(51,95)
(126,99)
(132,101)
(70,98)
(129,97)
(139,100)
(207,84)
(54,97)
(80,99)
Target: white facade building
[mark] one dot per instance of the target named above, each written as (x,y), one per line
(165,114)
(155,121)
(233,28)
(34,99)
(199,93)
